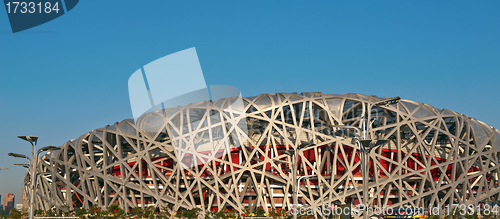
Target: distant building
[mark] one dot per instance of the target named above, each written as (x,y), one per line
(8,202)
(25,199)
(19,207)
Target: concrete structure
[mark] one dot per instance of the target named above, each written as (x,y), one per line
(433,157)
(8,202)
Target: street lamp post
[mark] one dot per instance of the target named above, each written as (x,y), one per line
(367,145)
(294,155)
(32,165)
(364,147)
(36,184)
(27,166)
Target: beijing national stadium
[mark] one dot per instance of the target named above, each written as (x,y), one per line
(214,155)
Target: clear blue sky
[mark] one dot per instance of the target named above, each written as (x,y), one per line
(69,76)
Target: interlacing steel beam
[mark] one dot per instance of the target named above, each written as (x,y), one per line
(433,157)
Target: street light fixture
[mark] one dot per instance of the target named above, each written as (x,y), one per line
(27,166)
(48,148)
(19,156)
(30,138)
(388,102)
(368,122)
(32,165)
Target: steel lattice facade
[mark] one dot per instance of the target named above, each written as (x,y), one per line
(434,157)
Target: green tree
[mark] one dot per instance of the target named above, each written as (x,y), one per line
(100,214)
(94,209)
(50,213)
(64,210)
(116,211)
(80,212)
(164,212)
(150,212)
(259,212)
(14,214)
(24,212)
(136,212)
(179,213)
(226,214)
(210,214)
(193,213)
(431,216)
(38,212)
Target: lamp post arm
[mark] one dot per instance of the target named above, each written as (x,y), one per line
(19,156)
(298,182)
(318,145)
(47,148)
